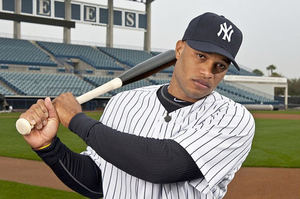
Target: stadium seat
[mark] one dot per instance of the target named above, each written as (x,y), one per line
(87,54)
(43,84)
(22,52)
(131,57)
(243,96)
(4,91)
(126,56)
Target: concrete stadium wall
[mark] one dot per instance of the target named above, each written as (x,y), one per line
(266,88)
(25,68)
(23,103)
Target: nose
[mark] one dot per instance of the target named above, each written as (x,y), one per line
(207,69)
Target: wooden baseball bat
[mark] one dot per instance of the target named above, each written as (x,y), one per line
(138,72)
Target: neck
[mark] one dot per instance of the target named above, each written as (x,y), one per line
(175,90)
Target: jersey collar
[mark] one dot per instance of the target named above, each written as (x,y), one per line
(170,102)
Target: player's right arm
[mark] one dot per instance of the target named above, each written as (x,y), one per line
(79,172)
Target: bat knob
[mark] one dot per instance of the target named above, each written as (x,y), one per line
(23,126)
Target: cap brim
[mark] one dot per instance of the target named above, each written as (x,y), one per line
(211,48)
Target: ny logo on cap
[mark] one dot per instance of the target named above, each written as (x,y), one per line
(227,31)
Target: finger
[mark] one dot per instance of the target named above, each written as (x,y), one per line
(45,111)
(50,108)
(45,122)
(43,107)
(35,119)
(40,112)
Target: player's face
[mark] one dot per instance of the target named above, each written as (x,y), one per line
(196,74)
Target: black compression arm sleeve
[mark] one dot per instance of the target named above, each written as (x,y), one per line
(153,160)
(79,172)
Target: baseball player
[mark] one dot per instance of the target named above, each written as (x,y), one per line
(179,140)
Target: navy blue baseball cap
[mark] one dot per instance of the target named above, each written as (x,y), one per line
(213,33)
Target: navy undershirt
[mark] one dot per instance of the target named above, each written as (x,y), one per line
(81,173)
(170,102)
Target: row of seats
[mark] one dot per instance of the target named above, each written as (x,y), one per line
(34,84)
(97,81)
(126,56)
(17,51)
(86,53)
(234,97)
(160,81)
(243,95)
(131,57)
(5,91)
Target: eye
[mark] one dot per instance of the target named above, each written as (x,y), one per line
(201,56)
(219,67)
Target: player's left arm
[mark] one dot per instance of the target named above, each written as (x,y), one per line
(153,160)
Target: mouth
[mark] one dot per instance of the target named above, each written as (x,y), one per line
(201,84)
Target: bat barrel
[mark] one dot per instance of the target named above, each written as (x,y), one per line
(149,67)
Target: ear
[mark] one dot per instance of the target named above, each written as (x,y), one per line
(179,48)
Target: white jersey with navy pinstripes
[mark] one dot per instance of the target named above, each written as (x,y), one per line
(215,131)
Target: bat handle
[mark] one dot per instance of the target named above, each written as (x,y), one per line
(108,86)
(24,127)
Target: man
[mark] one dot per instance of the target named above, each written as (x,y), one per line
(181,140)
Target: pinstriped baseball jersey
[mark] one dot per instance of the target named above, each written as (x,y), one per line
(215,131)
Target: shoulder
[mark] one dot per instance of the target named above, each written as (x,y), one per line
(227,113)
(128,95)
(148,89)
(129,100)
(218,99)
(152,88)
